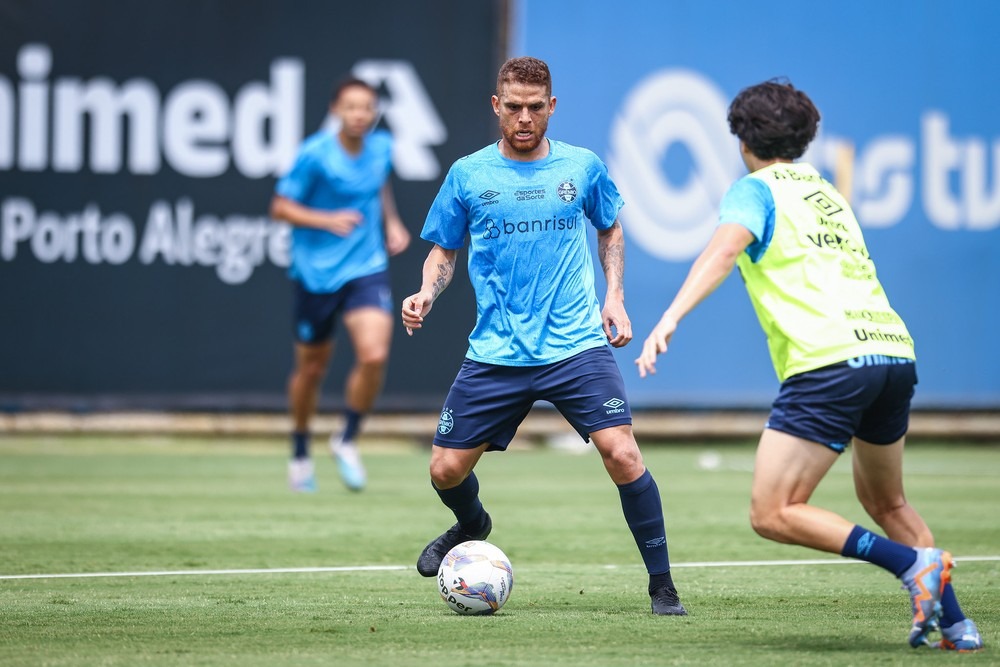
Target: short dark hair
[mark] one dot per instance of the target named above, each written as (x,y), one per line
(525,70)
(350,82)
(774,120)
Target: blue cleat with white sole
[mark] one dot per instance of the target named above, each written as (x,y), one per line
(301,476)
(352,471)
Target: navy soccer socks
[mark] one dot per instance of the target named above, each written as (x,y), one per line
(877,550)
(464,501)
(300,445)
(352,424)
(644,516)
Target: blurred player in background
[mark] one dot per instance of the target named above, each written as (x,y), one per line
(540,333)
(844,357)
(338,200)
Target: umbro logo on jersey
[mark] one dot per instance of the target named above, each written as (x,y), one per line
(489,197)
(823,204)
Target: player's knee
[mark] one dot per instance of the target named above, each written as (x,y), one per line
(623,463)
(447,473)
(311,372)
(881,509)
(766,522)
(373,361)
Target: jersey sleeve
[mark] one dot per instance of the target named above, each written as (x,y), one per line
(386,146)
(298,182)
(447,220)
(604,201)
(749,203)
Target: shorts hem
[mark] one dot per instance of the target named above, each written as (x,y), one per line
(451,444)
(880,441)
(838,447)
(609,424)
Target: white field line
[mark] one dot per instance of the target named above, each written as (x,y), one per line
(177,573)
(400,568)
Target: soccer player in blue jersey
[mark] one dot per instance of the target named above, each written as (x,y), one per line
(338,200)
(843,355)
(525,203)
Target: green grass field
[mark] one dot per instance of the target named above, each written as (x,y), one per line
(182,507)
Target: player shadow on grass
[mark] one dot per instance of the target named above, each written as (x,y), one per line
(809,643)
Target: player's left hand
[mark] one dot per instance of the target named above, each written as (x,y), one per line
(617,325)
(415,308)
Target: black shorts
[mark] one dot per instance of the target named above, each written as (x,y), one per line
(488,402)
(868,397)
(315,314)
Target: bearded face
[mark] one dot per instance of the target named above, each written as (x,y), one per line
(523,110)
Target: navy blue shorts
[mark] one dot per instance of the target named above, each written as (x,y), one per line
(316,313)
(487,402)
(868,397)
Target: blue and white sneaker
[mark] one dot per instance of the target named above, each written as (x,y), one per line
(963,637)
(352,471)
(301,476)
(925,581)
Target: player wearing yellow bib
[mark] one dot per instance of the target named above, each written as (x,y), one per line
(844,357)
(811,279)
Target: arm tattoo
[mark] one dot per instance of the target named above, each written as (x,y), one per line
(445,272)
(612,256)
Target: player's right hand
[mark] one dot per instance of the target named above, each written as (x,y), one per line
(415,308)
(342,222)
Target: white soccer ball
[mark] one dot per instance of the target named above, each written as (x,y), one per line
(475,577)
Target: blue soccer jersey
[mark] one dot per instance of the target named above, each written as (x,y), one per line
(325,176)
(749,203)
(529,259)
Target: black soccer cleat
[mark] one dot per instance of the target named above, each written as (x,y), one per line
(665,602)
(432,555)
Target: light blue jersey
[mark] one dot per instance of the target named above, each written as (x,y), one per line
(749,203)
(325,176)
(529,259)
